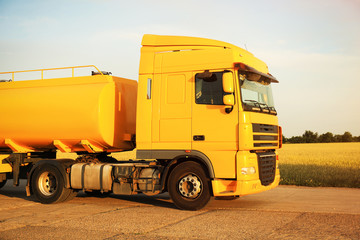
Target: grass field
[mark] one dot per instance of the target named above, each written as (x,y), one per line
(320,164)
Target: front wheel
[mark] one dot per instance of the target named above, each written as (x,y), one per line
(48,185)
(188,186)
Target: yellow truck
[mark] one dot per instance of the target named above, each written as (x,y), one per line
(201,119)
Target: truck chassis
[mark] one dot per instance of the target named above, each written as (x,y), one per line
(57,180)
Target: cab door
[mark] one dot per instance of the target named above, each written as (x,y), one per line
(214,131)
(172,112)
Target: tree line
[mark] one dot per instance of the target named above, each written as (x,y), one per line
(311,137)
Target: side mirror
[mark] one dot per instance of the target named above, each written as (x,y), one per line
(228,82)
(229,100)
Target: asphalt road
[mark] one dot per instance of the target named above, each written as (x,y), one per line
(286,212)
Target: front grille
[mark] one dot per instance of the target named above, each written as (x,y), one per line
(265,135)
(267,167)
(264,128)
(265,144)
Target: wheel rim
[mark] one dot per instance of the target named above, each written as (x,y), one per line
(47,183)
(190,186)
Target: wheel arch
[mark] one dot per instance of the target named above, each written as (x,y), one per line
(175,157)
(180,160)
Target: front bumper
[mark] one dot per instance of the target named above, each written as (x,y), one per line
(222,187)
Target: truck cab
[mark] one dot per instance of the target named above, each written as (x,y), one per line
(210,102)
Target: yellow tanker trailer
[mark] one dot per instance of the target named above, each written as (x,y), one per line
(201,117)
(91,114)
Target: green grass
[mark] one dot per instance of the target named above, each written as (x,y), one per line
(320,164)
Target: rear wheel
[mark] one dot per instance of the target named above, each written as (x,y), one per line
(72,194)
(188,186)
(2,183)
(48,185)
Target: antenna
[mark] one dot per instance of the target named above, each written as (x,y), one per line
(246,47)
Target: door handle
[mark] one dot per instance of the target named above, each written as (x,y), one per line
(199,137)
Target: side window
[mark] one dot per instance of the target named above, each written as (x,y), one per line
(209,90)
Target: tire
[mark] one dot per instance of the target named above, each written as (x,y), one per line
(2,183)
(188,186)
(48,185)
(71,196)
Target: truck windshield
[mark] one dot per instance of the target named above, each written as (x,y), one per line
(256,95)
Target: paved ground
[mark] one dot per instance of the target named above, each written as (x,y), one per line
(282,213)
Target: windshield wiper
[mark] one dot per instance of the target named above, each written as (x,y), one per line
(258,107)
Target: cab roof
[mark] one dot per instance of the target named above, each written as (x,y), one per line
(150,40)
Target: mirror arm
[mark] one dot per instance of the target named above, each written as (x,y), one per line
(229,109)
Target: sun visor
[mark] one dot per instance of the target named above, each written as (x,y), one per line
(246,68)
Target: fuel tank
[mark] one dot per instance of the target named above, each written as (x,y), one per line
(93,114)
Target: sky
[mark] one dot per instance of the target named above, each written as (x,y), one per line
(311,47)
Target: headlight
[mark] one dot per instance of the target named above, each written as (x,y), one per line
(248,170)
